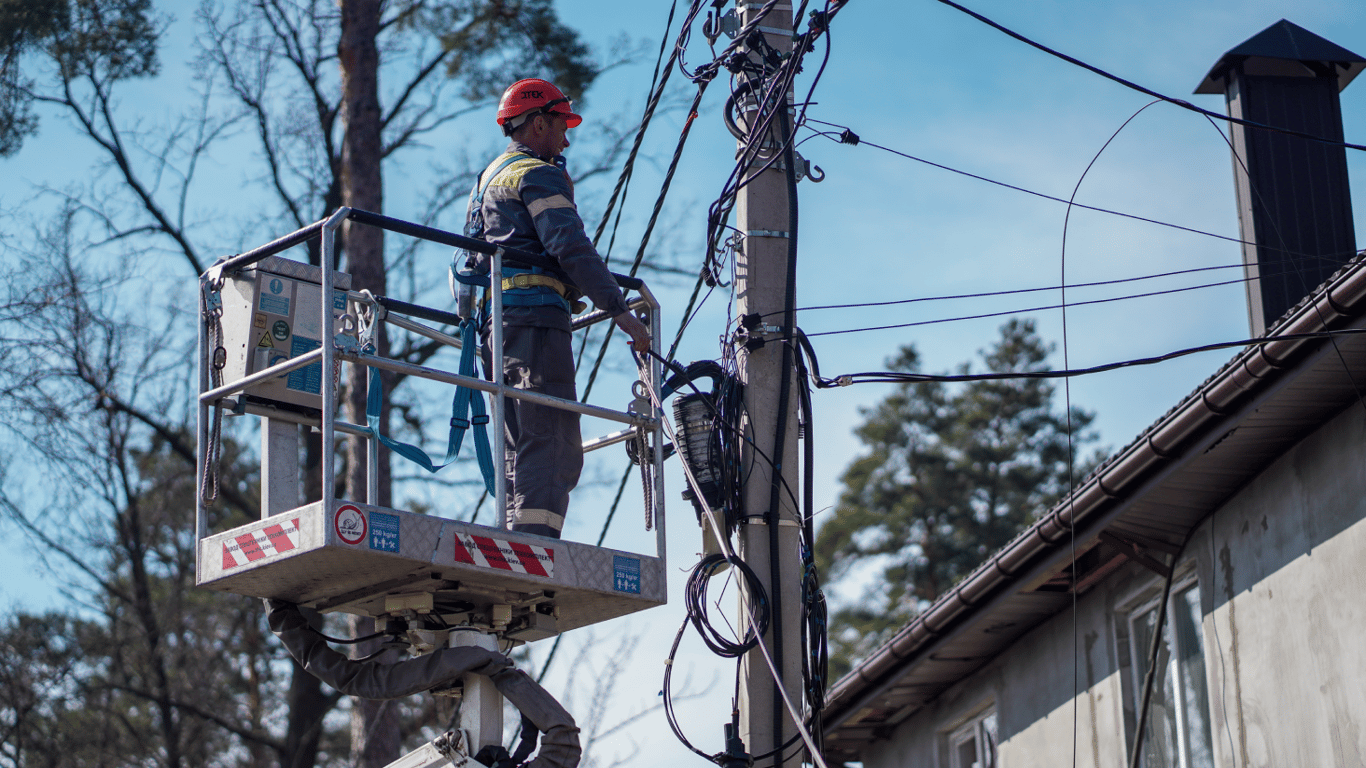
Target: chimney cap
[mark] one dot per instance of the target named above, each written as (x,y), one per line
(1287,50)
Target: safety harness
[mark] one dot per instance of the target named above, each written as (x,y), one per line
(522,286)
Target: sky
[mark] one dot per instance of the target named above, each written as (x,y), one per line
(924,79)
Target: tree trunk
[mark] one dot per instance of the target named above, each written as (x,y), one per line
(374,728)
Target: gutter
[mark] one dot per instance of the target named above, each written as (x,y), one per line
(1343,296)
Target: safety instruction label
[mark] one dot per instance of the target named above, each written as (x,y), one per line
(626,574)
(249,547)
(503,555)
(309,378)
(384,532)
(276,296)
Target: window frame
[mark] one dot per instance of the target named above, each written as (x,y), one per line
(1127,615)
(982,729)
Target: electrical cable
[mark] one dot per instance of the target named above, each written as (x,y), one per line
(754,619)
(728,418)
(857,140)
(695,600)
(769,78)
(657,86)
(1050,288)
(649,229)
(1026,310)
(773,515)
(628,168)
(1135,86)
(898,377)
(1067,412)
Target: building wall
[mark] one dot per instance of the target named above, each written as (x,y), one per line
(1282,575)
(1289,613)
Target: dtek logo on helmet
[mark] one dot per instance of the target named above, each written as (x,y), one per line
(532,95)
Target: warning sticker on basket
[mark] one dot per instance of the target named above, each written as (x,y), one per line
(276,297)
(626,574)
(503,555)
(349,524)
(273,539)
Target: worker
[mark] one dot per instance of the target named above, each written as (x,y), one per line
(525,200)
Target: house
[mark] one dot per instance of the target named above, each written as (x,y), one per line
(1224,549)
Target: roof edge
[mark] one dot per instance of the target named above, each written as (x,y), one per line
(1163,443)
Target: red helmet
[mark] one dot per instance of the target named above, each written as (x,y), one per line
(533,95)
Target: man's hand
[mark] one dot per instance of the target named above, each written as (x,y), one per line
(640,335)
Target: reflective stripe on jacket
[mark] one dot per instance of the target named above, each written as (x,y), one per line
(529,205)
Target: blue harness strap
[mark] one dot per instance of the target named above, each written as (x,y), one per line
(474,227)
(467,401)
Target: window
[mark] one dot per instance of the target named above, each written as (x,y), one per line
(1177,734)
(973,744)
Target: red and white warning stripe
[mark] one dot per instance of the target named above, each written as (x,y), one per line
(252,546)
(503,555)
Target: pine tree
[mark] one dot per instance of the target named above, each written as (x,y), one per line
(952,473)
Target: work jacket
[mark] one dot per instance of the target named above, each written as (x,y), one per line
(529,205)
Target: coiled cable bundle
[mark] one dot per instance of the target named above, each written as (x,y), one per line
(695,599)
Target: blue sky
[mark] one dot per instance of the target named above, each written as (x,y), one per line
(922,78)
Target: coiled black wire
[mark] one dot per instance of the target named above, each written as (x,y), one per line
(695,600)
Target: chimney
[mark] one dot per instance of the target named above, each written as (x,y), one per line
(1294,205)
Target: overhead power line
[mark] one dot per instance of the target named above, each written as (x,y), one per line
(1148,91)
(1026,310)
(1048,288)
(847,136)
(899,377)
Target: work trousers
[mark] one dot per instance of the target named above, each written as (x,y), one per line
(543,445)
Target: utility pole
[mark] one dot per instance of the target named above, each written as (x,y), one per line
(769,538)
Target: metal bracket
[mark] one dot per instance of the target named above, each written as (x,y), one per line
(727,24)
(803,167)
(212,285)
(768,233)
(804,170)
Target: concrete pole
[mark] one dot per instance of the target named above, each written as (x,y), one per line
(761,287)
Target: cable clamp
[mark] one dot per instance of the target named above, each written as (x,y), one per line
(768,233)
(844,381)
